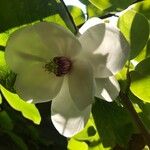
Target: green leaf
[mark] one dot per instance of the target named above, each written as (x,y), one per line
(5,121)
(74,144)
(14,13)
(145,53)
(113,123)
(7,77)
(77,14)
(140,80)
(143,7)
(28,110)
(0,99)
(111,5)
(88,133)
(135,28)
(142,108)
(4,71)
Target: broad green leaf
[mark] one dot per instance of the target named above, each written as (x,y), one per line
(111,5)
(77,14)
(143,7)
(90,136)
(135,28)
(5,121)
(93,11)
(140,80)
(113,123)
(28,110)
(145,53)
(14,13)
(74,144)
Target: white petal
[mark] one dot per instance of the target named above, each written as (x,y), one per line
(39,43)
(105,46)
(66,117)
(81,84)
(107,88)
(57,38)
(37,85)
(90,23)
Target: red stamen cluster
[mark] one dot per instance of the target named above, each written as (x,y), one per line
(64,65)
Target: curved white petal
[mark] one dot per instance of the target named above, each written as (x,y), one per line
(66,117)
(107,88)
(90,23)
(37,85)
(57,38)
(105,47)
(38,43)
(81,84)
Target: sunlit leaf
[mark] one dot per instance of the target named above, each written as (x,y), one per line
(135,28)
(28,110)
(74,144)
(14,13)
(7,77)
(113,123)
(93,11)
(140,80)
(111,5)
(77,14)
(0,99)
(145,53)
(5,121)
(143,7)
(142,108)
(88,133)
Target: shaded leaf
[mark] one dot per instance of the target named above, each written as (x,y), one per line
(143,7)
(17,140)
(14,13)
(135,28)
(140,80)
(113,123)
(5,121)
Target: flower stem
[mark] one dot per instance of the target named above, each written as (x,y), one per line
(71,18)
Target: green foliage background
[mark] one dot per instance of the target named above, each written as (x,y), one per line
(27,126)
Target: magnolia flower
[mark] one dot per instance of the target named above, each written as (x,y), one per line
(52,64)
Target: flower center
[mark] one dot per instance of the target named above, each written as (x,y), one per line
(59,66)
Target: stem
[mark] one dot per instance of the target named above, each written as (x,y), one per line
(71,18)
(128,105)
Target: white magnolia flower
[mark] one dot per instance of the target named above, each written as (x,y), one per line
(51,63)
